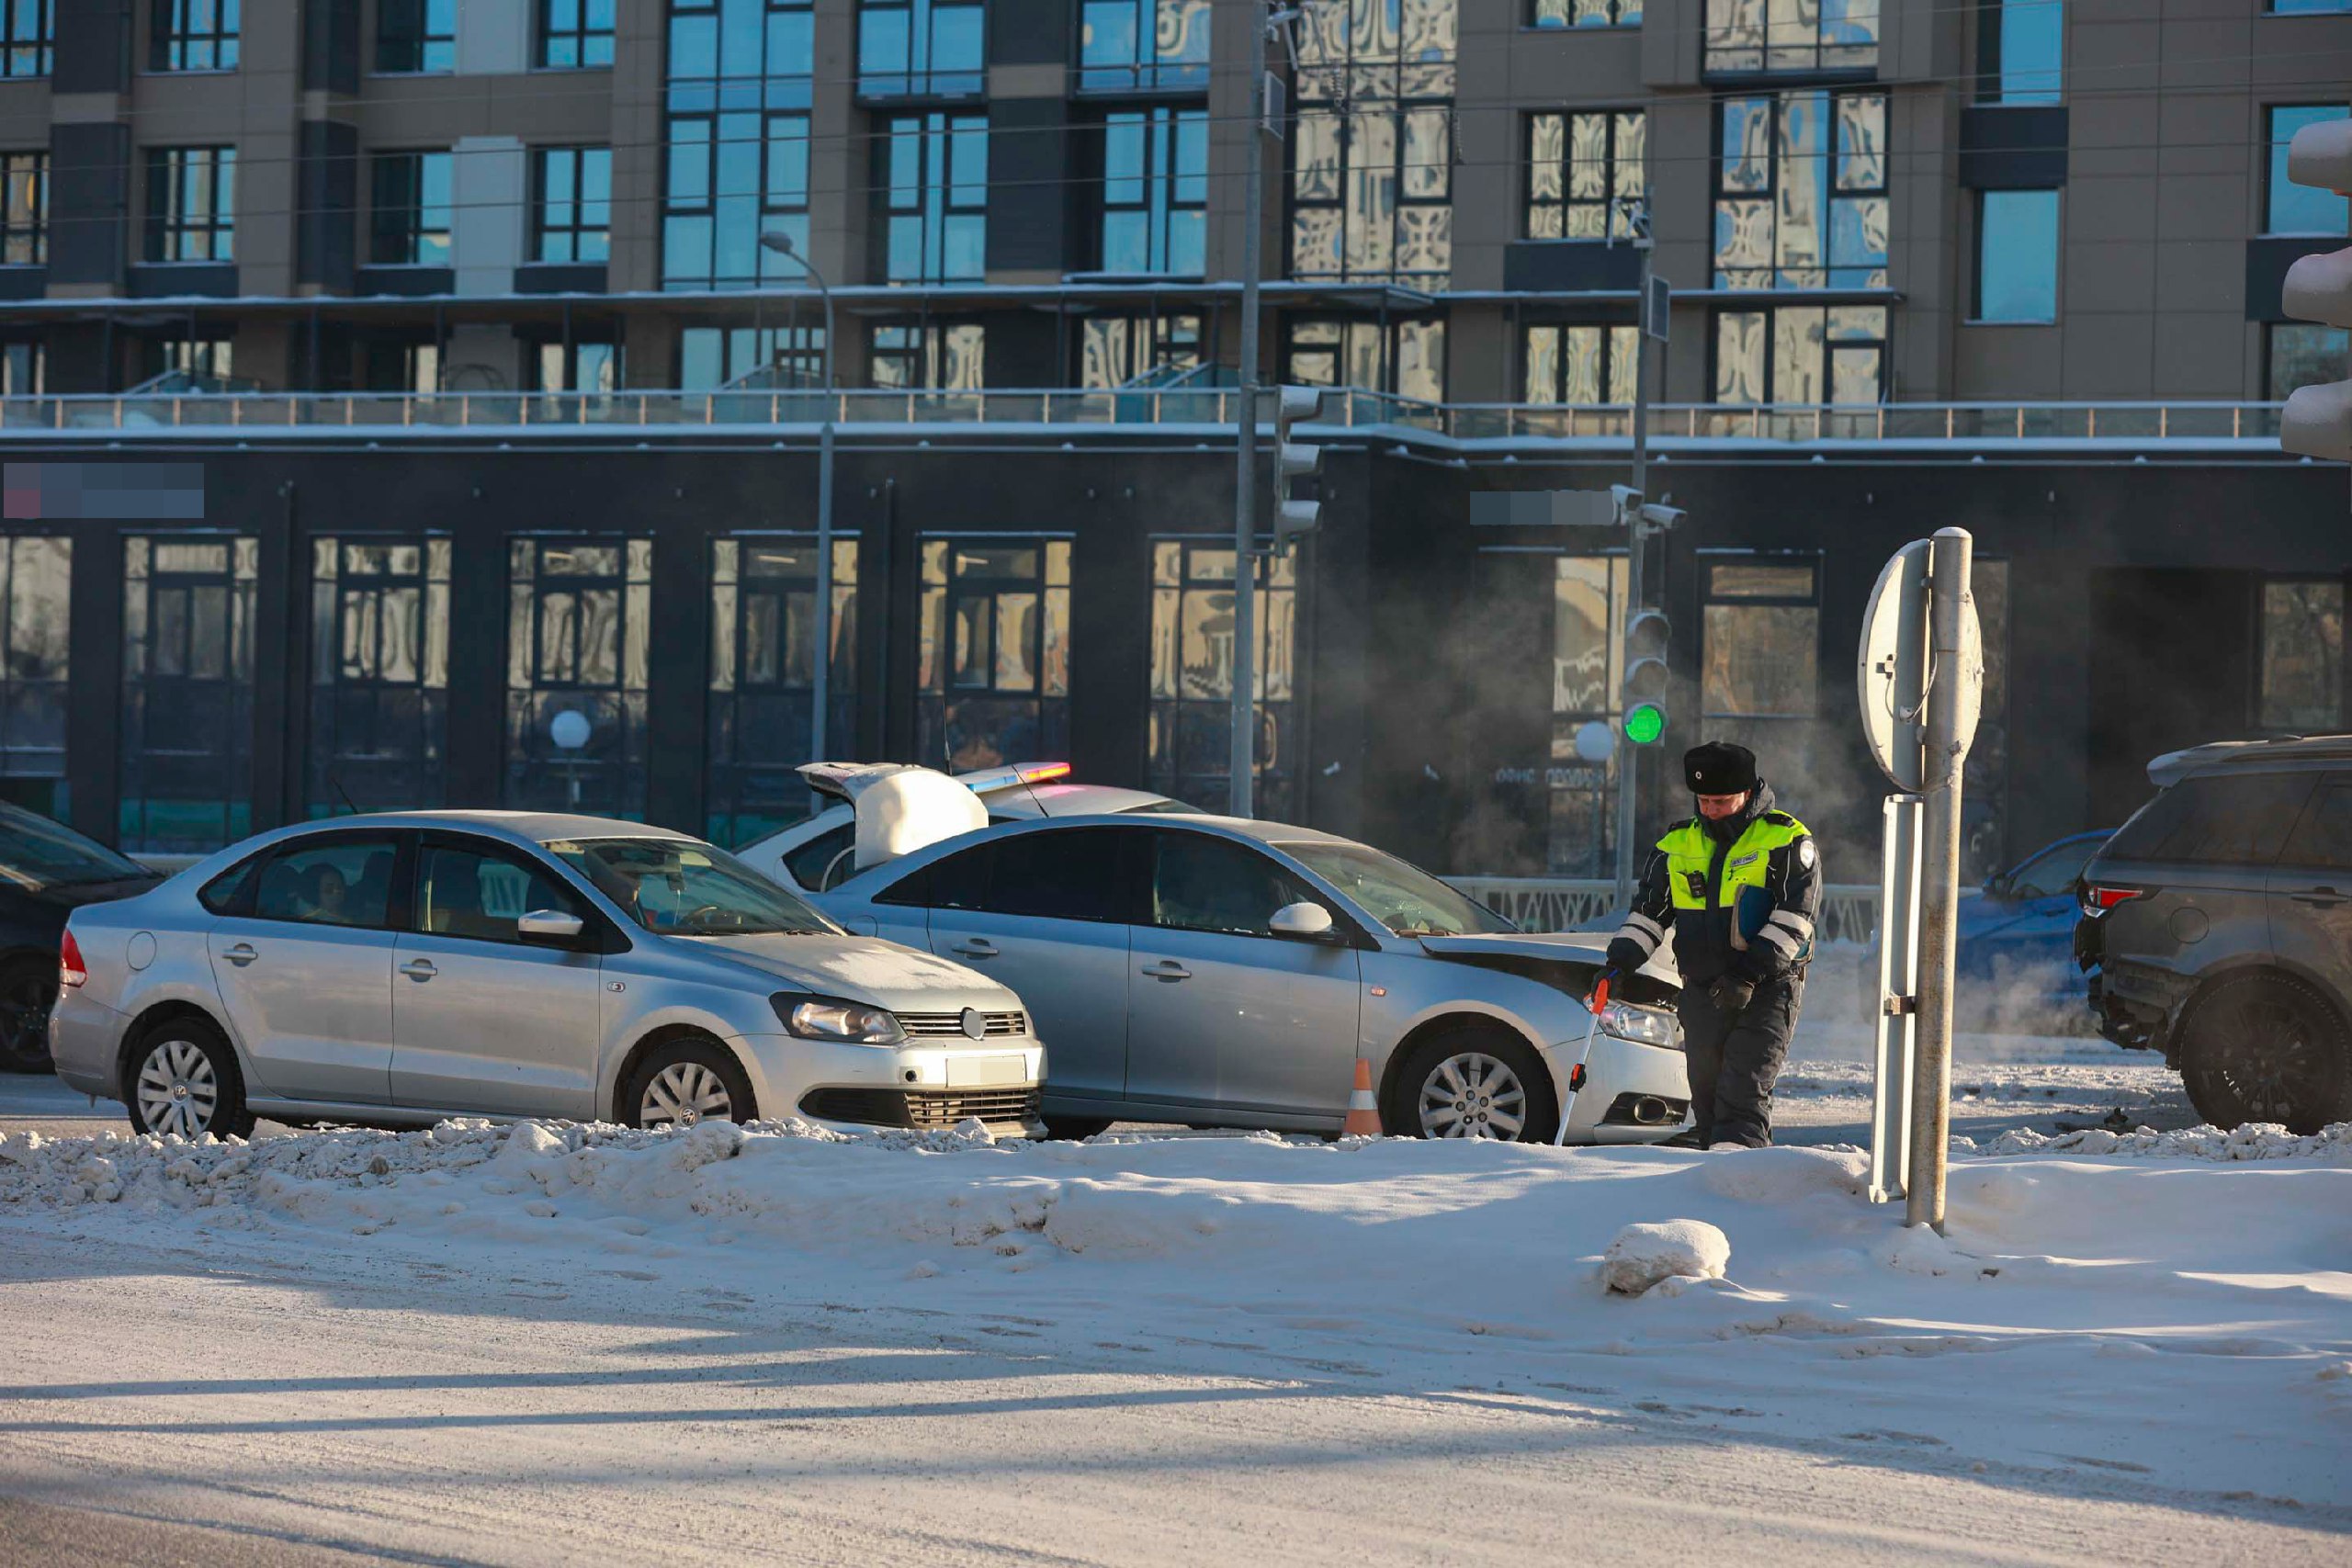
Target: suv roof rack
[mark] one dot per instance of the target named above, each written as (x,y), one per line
(2174,766)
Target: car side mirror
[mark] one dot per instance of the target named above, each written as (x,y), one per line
(1305,920)
(1996,886)
(550,928)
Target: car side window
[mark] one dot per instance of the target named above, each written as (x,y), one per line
(231,892)
(2323,838)
(345,882)
(2217,819)
(482,895)
(1077,873)
(1202,882)
(807,862)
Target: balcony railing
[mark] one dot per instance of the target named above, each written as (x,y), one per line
(2119,423)
(1849,911)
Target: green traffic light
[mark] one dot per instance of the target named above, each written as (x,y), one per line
(1645,723)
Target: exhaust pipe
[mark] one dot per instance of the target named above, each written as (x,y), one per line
(1649,1110)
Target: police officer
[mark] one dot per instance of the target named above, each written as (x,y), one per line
(1740,885)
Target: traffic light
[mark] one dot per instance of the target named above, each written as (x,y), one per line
(1296,516)
(1645,675)
(2318,419)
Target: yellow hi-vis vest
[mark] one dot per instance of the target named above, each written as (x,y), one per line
(1690,859)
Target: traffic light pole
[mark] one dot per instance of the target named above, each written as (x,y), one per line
(1629,792)
(1243,761)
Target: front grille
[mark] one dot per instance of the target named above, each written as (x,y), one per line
(922,1108)
(934,1025)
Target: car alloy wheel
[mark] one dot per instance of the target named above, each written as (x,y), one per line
(2265,1048)
(683,1095)
(1473,1095)
(178,1090)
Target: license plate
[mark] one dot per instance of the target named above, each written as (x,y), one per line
(975,1072)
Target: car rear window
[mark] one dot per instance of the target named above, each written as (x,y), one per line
(2216,819)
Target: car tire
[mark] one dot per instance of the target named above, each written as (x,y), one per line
(698,1079)
(28,990)
(2266,1048)
(182,1077)
(1076,1129)
(1495,1077)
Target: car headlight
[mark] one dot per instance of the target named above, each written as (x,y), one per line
(1646,1026)
(830,1017)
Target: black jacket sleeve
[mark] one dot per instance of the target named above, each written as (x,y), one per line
(1647,922)
(1792,881)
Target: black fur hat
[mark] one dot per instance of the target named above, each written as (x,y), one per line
(1719,768)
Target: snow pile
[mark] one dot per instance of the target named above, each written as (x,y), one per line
(2259,1140)
(1646,1255)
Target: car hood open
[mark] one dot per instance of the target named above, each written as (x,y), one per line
(864,969)
(1568,947)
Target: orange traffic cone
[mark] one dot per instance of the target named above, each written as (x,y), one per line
(1364,1116)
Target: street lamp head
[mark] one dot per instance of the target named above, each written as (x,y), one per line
(778,241)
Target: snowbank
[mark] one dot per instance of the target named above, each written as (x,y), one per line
(1646,1254)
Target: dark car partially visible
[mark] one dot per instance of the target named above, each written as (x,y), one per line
(2218,925)
(47,871)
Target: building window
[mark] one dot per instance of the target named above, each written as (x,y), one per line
(715,356)
(1583,171)
(22,367)
(24,208)
(1155,191)
(738,138)
(2302,655)
(1372,156)
(416,36)
(193,35)
(1588,679)
(1190,754)
(1581,364)
(2293,209)
(1801,191)
(188,716)
(1143,45)
(25,37)
(1126,351)
(2302,354)
(935,205)
(762,664)
(409,217)
(379,673)
(1586,14)
(1760,652)
(405,365)
(36,608)
(191,204)
(1751,35)
(2021,51)
(2017,256)
(194,361)
(572,204)
(1404,359)
(938,356)
(2307,8)
(575,34)
(591,368)
(931,49)
(577,639)
(992,680)
(1801,353)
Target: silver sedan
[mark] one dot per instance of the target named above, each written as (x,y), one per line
(402,968)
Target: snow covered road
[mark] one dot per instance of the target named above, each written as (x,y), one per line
(545,1344)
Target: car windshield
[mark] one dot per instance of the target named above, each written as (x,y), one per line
(681,887)
(2054,871)
(36,853)
(1405,899)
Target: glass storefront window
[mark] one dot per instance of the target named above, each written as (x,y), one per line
(379,673)
(1580,364)
(1406,359)
(187,622)
(1118,351)
(2302,655)
(935,356)
(1760,654)
(992,681)
(763,661)
(1191,676)
(36,623)
(1588,681)
(577,640)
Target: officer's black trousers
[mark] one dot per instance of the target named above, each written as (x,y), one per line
(1735,1057)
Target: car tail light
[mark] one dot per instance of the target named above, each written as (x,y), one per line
(71,971)
(2098,899)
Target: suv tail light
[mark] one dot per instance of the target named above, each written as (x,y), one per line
(71,971)
(2097,901)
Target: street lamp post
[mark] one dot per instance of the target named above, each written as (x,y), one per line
(820,669)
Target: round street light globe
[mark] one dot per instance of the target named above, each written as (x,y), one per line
(1595,742)
(1645,721)
(568,729)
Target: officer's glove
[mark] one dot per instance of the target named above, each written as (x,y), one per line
(1732,993)
(1608,977)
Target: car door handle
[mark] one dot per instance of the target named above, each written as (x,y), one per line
(244,953)
(419,969)
(1167,969)
(2322,898)
(978,947)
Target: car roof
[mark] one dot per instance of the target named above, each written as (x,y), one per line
(522,826)
(2230,756)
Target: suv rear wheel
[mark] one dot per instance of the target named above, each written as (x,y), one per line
(2267,1048)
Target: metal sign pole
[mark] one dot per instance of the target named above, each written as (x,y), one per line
(1898,997)
(1953,687)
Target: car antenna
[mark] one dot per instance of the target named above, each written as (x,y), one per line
(334,779)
